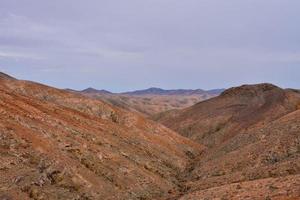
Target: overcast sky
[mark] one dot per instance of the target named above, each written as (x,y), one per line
(123,45)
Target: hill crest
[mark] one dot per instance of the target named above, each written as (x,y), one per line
(250,90)
(6,76)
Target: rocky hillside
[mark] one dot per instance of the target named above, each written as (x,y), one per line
(60,145)
(252,135)
(213,121)
(262,162)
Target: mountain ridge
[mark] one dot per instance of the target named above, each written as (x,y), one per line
(152,100)
(6,76)
(155,91)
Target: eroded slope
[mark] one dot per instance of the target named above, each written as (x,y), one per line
(252,135)
(59,145)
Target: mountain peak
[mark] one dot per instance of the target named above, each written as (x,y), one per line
(250,90)
(93,90)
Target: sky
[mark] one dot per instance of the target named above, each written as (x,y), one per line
(122,45)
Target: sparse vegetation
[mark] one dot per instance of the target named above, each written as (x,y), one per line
(67,146)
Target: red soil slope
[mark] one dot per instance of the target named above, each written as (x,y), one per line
(59,145)
(252,135)
(54,144)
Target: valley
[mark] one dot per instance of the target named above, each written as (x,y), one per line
(241,143)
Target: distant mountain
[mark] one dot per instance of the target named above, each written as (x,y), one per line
(159,91)
(156,91)
(151,101)
(215,91)
(95,91)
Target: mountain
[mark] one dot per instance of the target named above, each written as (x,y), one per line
(215,91)
(153,100)
(95,91)
(236,108)
(159,91)
(252,140)
(57,144)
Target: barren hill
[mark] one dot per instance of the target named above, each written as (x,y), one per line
(262,162)
(60,145)
(252,135)
(235,109)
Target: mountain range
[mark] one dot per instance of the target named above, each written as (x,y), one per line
(152,101)
(62,144)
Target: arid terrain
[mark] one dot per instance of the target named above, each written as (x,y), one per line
(59,144)
(252,139)
(152,101)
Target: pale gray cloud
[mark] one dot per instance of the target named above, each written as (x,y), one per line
(129,44)
(16,56)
